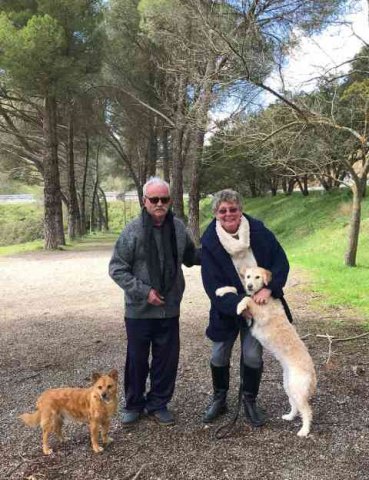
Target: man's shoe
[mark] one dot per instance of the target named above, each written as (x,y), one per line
(130,416)
(254,414)
(162,417)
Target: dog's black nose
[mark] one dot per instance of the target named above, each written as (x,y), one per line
(104,395)
(249,286)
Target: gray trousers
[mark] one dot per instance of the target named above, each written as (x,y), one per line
(251,349)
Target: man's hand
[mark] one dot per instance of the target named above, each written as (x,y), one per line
(262,296)
(154,298)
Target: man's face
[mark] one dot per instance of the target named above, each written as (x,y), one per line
(157,210)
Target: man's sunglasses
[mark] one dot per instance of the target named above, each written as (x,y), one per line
(222,211)
(155,200)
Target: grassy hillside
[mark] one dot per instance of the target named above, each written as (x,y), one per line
(314,231)
(20,223)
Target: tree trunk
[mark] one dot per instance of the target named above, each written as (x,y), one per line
(353,240)
(83,191)
(166,167)
(177,150)
(153,148)
(194,193)
(303,186)
(106,210)
(74,217)
(53,216)
(95,199)
(93,206)
(273,184)
(176,187)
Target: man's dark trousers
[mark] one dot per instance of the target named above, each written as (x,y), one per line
(162,335)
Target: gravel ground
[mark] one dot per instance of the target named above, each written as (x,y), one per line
(61,319)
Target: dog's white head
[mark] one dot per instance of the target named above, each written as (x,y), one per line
(255,279)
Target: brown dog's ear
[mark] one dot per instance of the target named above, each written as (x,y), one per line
(267,276)
(95,376)
(114,374)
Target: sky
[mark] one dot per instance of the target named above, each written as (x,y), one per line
(316,55)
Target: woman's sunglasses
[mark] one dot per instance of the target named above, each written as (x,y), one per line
(222,211)
(155,200)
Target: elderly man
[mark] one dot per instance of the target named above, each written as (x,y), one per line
(147,265)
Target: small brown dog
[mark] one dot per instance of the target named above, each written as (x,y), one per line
(273,330)
(95,406)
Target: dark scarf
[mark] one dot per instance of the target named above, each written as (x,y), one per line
(162,281)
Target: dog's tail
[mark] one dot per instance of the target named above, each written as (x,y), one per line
(31,419)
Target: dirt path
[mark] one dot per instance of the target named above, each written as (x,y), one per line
(61,319)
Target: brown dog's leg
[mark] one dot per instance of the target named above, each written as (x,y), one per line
(46,430)
(47,425)
(94,432)
(104,433)
(58,429)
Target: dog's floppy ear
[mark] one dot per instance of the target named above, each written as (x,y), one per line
(267,276)
(242,270)
(95,376)
(113,374)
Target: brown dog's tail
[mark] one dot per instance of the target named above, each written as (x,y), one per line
(31,419)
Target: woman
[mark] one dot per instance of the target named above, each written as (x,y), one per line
(231,241)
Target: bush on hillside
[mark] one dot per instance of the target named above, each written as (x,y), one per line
(20,223)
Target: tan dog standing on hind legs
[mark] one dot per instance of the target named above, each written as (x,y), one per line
(273,330)
(95,406)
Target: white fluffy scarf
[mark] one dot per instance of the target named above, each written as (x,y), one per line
(237,244)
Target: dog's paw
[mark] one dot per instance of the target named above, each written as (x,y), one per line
(219,292)
(108,441)
(303,432)
(47,450)
(288,416)
(97,449)
(242,305)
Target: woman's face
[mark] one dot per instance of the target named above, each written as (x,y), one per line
(229,216)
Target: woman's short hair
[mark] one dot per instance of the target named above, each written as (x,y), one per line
(226,195)
(155,181)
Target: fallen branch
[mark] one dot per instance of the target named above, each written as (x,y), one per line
(137,474)
(350,338)
(331,339)
(343,339)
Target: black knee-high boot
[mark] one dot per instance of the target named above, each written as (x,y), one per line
(251,382)
(218,405)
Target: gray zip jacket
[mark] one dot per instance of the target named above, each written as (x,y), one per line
(129,270)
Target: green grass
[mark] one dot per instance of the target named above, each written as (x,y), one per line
(90,241)
(20,223)
(22,247)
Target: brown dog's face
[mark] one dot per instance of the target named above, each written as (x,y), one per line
(105,386)
(255,279)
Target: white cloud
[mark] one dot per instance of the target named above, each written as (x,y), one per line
(318,54)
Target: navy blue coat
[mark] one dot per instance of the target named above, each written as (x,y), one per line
(217,271)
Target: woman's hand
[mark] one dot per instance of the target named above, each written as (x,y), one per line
(262,296)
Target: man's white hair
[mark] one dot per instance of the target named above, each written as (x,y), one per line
(155,181)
